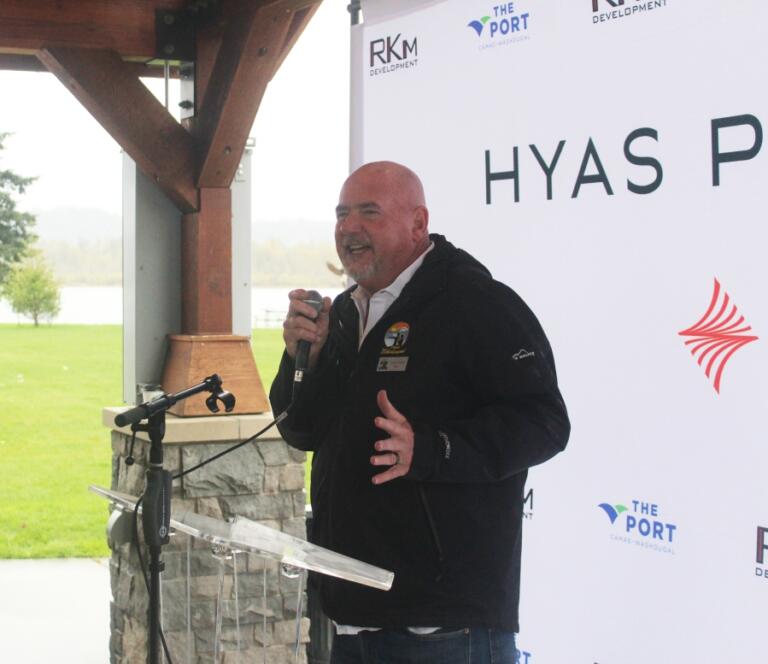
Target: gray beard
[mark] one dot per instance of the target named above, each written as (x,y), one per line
(358,274)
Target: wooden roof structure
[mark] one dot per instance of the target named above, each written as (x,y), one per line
(99,48)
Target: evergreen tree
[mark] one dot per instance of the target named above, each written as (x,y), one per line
(15,233)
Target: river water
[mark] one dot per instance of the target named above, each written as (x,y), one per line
(103,305)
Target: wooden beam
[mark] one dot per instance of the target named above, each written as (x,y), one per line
(20,62)
(30,62)
(126,27)
(300,20)
(250,49)
(291,5)
(158,144)
(208,42)
(206,257)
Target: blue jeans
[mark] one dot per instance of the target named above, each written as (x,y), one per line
(399,646)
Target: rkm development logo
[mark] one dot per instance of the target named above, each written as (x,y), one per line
(390,54)
(616,9)
(717,335)
(641,525)
(504,26)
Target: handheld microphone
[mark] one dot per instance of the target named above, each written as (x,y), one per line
(314,300)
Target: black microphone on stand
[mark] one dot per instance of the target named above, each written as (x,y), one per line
(314,300)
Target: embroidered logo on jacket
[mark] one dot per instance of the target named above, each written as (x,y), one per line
(394,345)
(395,338)
(522,354)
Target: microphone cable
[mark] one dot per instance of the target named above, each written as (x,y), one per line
(205,462)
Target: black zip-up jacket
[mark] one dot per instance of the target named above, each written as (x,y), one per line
(466,361)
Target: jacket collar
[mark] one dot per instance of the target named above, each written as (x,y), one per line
(427,282)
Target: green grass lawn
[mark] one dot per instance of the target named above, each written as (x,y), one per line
(54,382)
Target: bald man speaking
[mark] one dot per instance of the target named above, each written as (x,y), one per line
(431,390)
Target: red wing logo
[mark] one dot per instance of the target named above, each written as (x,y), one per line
(718,335)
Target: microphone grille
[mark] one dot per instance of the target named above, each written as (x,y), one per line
(314,300)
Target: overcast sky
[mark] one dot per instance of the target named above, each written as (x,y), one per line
(301,132)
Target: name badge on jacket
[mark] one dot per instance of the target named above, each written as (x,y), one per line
(392,364)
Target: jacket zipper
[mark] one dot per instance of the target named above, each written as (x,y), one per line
(433,531)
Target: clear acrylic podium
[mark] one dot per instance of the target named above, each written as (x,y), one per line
(296,556)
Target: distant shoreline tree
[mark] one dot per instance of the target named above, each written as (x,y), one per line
(31,290)
(15,233)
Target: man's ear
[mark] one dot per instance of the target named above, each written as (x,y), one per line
(421,221)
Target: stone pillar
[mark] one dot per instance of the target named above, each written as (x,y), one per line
(263,481)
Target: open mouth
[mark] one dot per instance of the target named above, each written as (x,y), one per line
(357,249)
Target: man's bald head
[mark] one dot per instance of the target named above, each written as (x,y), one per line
(382,223)
(402,182)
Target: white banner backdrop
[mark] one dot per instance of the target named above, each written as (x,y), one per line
(604,158)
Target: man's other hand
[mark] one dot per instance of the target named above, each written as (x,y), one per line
(397,450)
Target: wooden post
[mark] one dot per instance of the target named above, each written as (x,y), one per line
(207,344)
(206,258)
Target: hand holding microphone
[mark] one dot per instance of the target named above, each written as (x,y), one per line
(305,329)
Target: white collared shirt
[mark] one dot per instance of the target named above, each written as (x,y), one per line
(371,309)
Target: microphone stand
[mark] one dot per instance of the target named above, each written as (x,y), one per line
(156,512)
